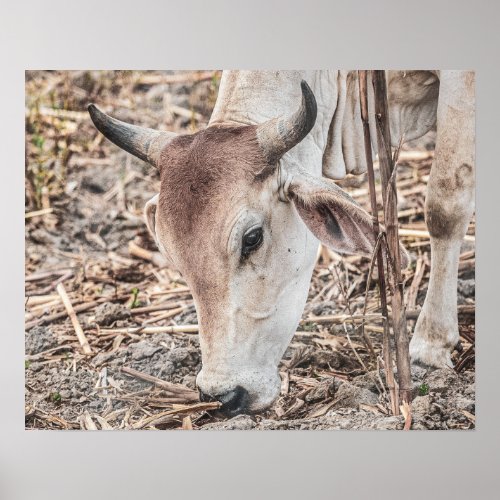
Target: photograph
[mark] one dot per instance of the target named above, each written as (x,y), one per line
(250,249)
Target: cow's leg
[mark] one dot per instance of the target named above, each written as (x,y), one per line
(448,210)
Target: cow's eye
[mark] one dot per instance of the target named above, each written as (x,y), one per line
(252,240)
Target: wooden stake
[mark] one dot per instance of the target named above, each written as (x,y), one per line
(363,95)
(388,177)
(74,319)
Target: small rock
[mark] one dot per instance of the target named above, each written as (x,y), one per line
(107,313)
(323,390)
(327,307)
(326,359)
(465,404)
(417,372)
(370,380)
(180,355)
(166,369)
(95,404)
(239,423)
(143,349)
(187,318)
(189,381)
(39,339)
(36,366)
(470,390)
(39,236)
(65,394)
(70,187)
(102,358)
(351,396)
(441,380)
(466,288)
(421,404)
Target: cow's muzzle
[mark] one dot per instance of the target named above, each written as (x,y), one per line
(234,402)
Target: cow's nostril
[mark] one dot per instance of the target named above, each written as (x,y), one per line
(234,402)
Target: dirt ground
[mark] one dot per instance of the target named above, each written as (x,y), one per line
(84,229)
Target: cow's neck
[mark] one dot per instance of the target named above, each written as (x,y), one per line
(253,97)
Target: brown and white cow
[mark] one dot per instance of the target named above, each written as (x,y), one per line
(244,203)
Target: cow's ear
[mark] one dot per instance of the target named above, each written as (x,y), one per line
(333,216)
(150,215)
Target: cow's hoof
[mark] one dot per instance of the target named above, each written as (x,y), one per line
(428,355)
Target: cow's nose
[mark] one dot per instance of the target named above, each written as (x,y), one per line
(234,402)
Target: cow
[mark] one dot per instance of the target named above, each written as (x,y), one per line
(244,203)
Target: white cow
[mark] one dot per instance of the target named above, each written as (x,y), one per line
(244,203)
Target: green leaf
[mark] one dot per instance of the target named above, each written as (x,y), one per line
(423,389)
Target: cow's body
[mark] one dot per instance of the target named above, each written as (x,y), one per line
(250,192)
(335,147)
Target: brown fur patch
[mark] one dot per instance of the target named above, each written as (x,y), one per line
(463,176)
(447,200)
(200,170)
(442,223)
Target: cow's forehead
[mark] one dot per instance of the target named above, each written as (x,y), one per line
(202,177)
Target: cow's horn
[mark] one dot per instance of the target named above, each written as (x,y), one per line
(279,135)
(145,143)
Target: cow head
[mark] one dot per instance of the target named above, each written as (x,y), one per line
(243,229)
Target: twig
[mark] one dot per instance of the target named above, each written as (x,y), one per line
(42,354)
(186,113)
(74,319)
(169,314)
(191,77)
(177,389)
(36,213)
(406,412)
(59,315)
(172,291)
(375,253)
(341,318)
(365,337)
(155,257)
(46,274)
(65,114)
(54,284)
(420,233)
(87,422)
(151,330)
(187,425)
(466,357)
(167,416)
(354,350)
(157,307)
(35,300)
(417,278)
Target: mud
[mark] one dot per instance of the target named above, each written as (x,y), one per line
(443,399)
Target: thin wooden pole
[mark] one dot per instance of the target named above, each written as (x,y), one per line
(387,167)
(387,354)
